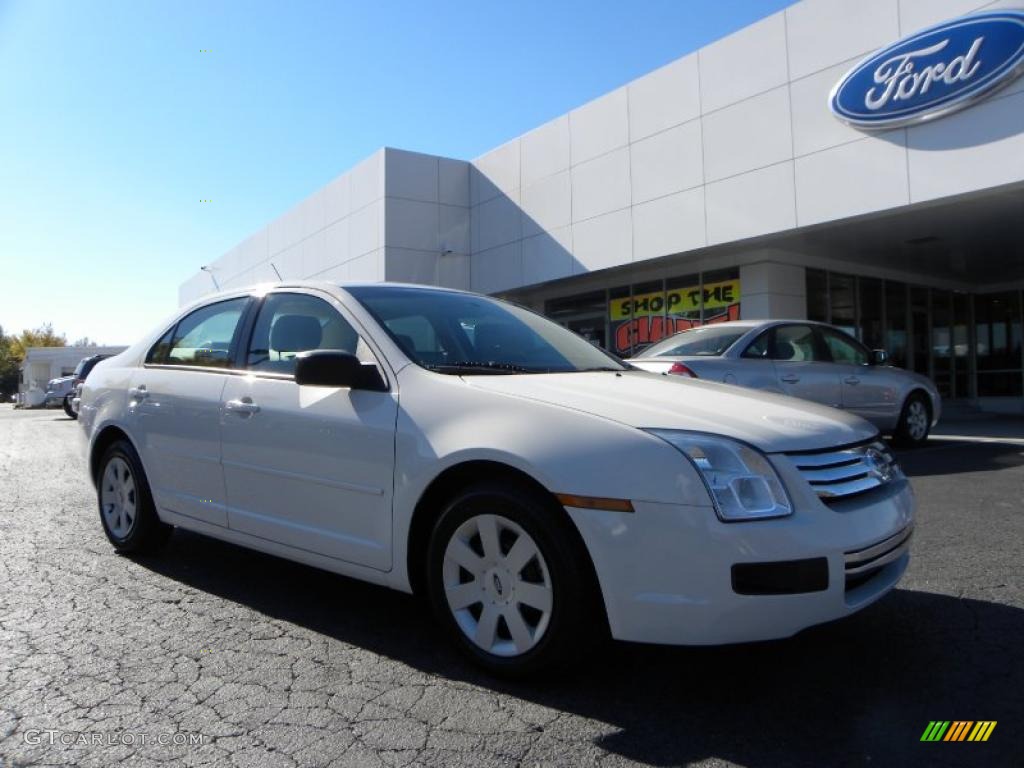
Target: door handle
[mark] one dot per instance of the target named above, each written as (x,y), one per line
(138,393)
(243,407)
(791,378)
(852,380)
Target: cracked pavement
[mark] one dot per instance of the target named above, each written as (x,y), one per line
(278,664)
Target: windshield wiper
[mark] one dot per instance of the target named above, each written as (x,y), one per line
(464,366)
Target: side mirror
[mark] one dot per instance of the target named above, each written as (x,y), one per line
(334,368)
(879,357)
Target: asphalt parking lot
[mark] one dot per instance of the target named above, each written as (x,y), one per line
(269,663)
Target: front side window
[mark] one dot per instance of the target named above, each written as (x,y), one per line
(844,349)
(202,338)
(290,323)
(796,344)
(462,333)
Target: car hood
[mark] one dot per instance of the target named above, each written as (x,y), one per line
(773,423)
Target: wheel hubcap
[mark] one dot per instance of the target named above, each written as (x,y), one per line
(917,420)
(497,585)
(118,498)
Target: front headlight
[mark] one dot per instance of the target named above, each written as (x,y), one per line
(741,482)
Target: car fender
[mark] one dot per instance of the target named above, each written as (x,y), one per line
(573,453)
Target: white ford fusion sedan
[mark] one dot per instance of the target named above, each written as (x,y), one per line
(535,489)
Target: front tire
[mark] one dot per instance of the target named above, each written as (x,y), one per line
(127,512)
(915,421)
(68,409)
(507,579)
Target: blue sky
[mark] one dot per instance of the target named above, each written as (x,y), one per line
(114,125)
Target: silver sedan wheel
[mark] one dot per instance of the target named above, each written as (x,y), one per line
(497,585)
(118,498)
(917,420)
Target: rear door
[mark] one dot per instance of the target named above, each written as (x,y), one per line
(803,367)
(310,467)
(175,410)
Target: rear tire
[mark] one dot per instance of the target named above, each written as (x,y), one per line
(68,409)
(127,512)
(915,422)
(510,581)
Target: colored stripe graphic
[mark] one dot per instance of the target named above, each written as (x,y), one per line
(935,730)
(958,730)
(982,730)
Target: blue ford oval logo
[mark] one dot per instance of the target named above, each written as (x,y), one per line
(932,73)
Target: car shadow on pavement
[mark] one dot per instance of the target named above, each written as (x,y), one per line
(856,692)
(951,457)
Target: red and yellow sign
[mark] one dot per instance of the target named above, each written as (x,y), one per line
(650,317)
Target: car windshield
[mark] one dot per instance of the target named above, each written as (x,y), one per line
(706,341)
(464,333)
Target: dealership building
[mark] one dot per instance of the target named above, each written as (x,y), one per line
(827,162)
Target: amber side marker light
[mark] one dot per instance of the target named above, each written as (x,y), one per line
(594,502)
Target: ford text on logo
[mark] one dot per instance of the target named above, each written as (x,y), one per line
(932,73)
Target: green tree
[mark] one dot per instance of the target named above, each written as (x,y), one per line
(12,354)
(43,336)
(9,368)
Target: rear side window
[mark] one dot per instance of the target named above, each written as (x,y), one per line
(203,338)
(759,347)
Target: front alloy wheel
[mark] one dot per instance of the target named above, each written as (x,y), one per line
(497,585)
(510,579)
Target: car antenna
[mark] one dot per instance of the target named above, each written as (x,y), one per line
(275,271)
(209,271)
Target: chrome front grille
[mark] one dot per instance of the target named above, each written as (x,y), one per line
(835,474)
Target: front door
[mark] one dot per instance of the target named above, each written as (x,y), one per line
(174,409)
(868,390)
(802,366)
(310,467)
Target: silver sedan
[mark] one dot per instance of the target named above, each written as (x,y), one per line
(804,359)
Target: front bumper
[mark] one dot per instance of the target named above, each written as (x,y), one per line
(666,570)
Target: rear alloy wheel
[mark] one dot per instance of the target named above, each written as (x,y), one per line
(915,422)
(126,506)
(507,578)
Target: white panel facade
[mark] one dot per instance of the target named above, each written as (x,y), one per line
(731,142)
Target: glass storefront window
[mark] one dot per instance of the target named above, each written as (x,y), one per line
(648,313)
(842,294)
(621,327)
(942,342)
(584,313)
(930,330)
(684,299)
(895,342)
(817,295)
(920,341)
(997,318)
(871,332)
(961,345)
